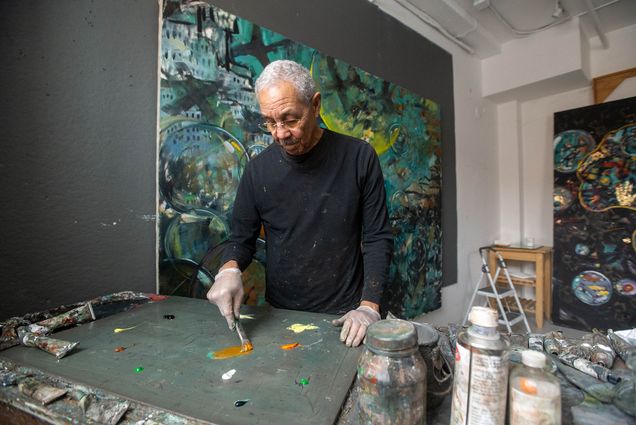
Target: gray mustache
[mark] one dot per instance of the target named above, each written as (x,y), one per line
(288,141)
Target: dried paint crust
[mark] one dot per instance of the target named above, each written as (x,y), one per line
(70,405)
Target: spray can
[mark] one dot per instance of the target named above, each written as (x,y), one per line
(535,395)
(481,372)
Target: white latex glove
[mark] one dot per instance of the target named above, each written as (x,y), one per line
(355,323)
(227,294)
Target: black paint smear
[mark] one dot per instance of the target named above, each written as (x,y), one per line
(239,403)
(169,316)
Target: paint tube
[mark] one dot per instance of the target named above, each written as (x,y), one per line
(582,350)
(603,355)
(59,348)
(107,412)
(602,391)
(589,368)
(621,346)
(535,342)
(73,317)
(602,352)
(550,345)
(563,342)
(7,378)
(40,392)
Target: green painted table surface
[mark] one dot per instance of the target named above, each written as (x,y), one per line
(180,376)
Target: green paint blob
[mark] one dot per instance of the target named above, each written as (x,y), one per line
(304,381)
(139,369)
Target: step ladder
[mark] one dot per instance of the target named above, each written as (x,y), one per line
(506,317)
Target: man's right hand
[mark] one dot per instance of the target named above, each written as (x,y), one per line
(227,293)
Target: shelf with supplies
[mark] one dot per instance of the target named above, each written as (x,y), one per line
(542,258)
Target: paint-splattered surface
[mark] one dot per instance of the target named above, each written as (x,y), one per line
(178,375)
(595,216)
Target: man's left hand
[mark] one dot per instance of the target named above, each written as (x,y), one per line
(355,323)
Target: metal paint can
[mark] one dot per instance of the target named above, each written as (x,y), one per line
(439,372)
(392,376)
(481,372)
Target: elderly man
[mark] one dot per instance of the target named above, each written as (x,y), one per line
(320,197)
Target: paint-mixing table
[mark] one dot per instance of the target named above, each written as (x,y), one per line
(169,363)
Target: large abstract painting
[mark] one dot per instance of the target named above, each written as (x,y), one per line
(595,216)
(208,133)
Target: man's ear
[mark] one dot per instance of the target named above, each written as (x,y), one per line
(315,103)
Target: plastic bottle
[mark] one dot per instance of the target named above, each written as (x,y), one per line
(535,395)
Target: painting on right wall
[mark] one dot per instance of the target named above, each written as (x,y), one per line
(594,283)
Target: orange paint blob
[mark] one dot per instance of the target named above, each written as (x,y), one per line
(120,349)
(247,347)
(229,352)
(528,386)
(289,346)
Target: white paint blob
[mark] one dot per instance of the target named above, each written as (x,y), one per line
(228,375)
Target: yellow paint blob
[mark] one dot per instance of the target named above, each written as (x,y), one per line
(299,327)
(120,330)
(229,352)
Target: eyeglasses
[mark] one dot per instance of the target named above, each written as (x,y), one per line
(270,126)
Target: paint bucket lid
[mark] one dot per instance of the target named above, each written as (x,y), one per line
(483,316)
(391,335)
(533,358)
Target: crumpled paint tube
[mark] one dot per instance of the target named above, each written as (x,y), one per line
(621,346)
(107,412)
(602,391)
(73,317)
(589,368)
(550,345)
(535,342)
(58,347)
(40,392)
(7,378)
(602,352)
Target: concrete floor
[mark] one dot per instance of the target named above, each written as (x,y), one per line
(548,326)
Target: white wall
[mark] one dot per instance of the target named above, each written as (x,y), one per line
(504,156)
(537,130)
(476,168)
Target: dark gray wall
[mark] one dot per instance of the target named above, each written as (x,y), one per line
(78,118)
(77,150)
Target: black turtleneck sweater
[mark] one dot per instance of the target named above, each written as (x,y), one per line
(328,237)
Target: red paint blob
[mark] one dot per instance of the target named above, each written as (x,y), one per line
(157,297)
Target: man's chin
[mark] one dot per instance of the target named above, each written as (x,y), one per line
(292,149)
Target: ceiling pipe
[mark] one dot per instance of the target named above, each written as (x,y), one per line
(427,19)
(597,24)
(464,15)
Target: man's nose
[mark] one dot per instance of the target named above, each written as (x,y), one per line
(281,131)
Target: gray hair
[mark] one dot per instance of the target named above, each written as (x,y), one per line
(288,71)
